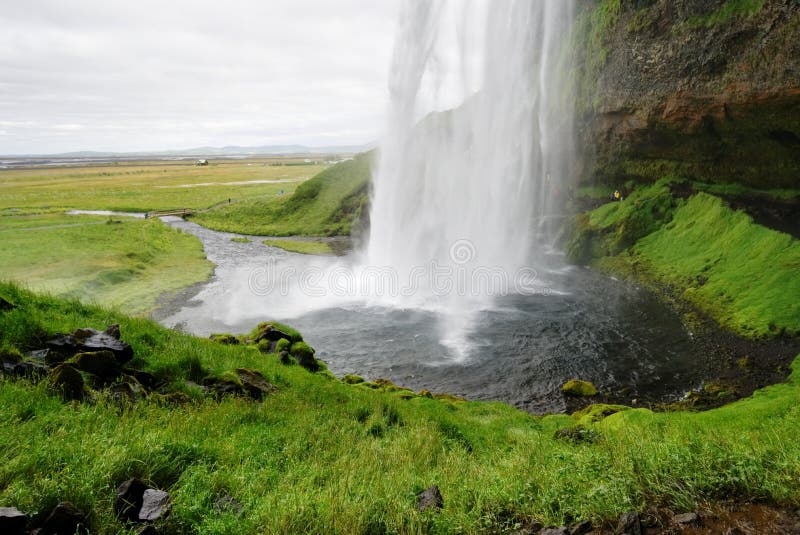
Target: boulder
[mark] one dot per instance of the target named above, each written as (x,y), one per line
(146,379)
(12,521)
(578,388)
(63,346)
(67,381)
(430,498)
(64,518)
(223,386)
(100,363)
(129,499)
(255,384)
(629,524)
(304,354)
(228,504)
(30,370)
(155,505)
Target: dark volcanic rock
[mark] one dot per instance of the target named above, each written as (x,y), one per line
(12,521)
(63,346)
(67,381)
(581,528)
(155,505)
(100,363)
(255,383)
(64,519)
(30,370)
(129,498)
(430,498)
(629,524)
(228,504)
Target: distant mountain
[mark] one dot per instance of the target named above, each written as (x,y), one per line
(265,150)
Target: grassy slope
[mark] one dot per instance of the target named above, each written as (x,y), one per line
(324,457)
(127,264)
(744,275)
(326,205)
(147,186)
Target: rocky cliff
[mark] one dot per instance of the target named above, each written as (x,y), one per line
(706,89)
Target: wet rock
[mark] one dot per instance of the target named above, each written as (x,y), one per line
(64,519)
(67,381)
(685,518)
(554,531)
(155,505)
(531,529)
(12,521)
(255,384)
(173,398)
(113,331)
(228,504)
(85,340)
(147,529)
(581,528)
(123,393)
(6,305)
(430,498)
(30,370)
(578,388)
(39,354)
(629,524)
(129,498)
(100,363)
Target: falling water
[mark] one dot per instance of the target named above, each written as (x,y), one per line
(462,198)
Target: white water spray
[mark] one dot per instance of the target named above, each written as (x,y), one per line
(470,191)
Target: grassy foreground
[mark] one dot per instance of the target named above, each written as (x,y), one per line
(124,262)
(329,204)
(322,456)
(302,247)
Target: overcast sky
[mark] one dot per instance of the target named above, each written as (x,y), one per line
(170,74)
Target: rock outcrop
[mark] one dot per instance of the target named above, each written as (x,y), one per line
(696,88)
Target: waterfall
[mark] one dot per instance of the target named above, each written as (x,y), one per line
(477,152)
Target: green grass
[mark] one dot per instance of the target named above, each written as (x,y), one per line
(328,204)
(744,274)
(729,11)
(145,186)
(303,247)
(321,456)
(129,263)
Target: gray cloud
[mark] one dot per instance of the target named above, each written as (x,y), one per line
(114,75)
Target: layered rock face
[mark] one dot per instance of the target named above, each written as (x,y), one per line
(706,89)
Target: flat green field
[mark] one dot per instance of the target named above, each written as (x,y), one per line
(124,262)
(144,186)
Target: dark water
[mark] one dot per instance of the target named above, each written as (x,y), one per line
(521,351)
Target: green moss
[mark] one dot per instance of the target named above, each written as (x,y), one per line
(352,379)
(578,388)
(728,12)
(282,345)
(225,339)
(264,326)
(596,412)
(304,354)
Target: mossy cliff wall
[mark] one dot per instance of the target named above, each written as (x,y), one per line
(708,89)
